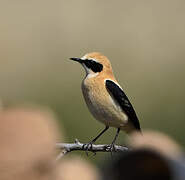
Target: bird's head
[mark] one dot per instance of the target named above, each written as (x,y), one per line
(95,64)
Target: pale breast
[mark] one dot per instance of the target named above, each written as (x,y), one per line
(101,104)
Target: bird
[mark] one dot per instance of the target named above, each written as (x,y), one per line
(105,98)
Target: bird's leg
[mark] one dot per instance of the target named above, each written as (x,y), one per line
(112,146)
(89,145)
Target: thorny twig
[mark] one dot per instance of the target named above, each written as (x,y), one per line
(78,146)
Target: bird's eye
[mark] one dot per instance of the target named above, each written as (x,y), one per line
(93,65)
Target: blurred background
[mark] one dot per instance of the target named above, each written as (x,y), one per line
(144,40)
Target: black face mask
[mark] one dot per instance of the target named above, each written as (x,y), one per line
(93,65)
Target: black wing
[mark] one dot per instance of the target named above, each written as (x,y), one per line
(117,93)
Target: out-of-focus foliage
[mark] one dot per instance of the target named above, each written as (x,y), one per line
(144,40)
(28,135)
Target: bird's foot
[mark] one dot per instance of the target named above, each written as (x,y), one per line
(88,147)
(111,148)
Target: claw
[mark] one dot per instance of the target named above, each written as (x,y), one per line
(88,147)
(112,148)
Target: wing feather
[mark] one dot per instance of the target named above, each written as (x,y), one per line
(117,93)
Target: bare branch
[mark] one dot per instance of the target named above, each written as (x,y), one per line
(78,146)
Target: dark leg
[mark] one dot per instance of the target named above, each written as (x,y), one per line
(112,148)
(89,145)
(106,127)
(117,133)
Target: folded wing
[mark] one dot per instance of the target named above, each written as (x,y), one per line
(120,97)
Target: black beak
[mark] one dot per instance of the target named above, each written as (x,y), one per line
(76,59)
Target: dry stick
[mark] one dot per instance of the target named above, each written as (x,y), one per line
(78,146)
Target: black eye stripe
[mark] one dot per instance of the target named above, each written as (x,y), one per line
(93,65)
